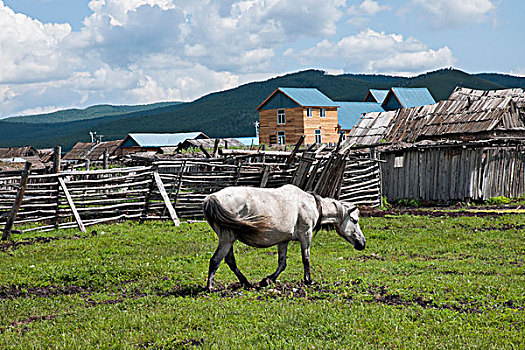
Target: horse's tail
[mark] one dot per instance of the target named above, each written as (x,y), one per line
(218,217)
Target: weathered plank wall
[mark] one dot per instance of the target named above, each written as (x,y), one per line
(445,174)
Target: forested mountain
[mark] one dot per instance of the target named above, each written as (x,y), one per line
(226,113)
(98,111)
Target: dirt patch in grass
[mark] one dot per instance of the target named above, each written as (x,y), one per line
(16,244)
(11,292)
(11,245)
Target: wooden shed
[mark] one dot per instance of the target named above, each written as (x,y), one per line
(454,171)
(154,142)
(93,151)
(467,147)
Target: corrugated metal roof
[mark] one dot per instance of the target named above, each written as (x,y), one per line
(349,113)
(249,141)
(308,97)
(412,97)
(379,95)
(161,140)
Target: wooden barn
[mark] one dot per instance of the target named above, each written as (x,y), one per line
(469,147)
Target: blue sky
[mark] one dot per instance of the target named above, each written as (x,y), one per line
(61,53)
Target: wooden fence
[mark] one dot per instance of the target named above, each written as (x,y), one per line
(447,173)
(172,189)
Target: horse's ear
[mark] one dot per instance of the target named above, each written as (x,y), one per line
(350,207)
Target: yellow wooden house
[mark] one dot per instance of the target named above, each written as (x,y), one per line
(289,113)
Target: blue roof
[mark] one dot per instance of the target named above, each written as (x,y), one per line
(160,140)
(305,97)
(349,112)
(379,95)
(413,97)
(249,141)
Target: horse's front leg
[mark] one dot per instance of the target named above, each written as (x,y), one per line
(282,248)
(305,241)
(226,240)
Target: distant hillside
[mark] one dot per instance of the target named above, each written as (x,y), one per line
(232,112)
(503,79)
(74,114)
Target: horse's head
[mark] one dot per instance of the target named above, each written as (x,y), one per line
(349,227)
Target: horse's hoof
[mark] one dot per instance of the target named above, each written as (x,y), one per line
(265,282)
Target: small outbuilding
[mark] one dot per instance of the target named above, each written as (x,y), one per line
(469,147)
(93,151)
(154,142)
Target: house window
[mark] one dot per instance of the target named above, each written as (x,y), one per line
(318,136)
(398,162)
(281,117)
(281,139)
(309,113)
(322,112)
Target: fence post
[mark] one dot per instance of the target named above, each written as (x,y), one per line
(18,202)
(295,150)
(105,159)
(72,205)
(149,194)
(265,176)
(57,158)
(165,198)
(238,173)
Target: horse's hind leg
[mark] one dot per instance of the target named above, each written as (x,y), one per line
(305,253)
(230,260)
(226,240)
(282,248)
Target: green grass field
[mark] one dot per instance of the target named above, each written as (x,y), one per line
(434,283)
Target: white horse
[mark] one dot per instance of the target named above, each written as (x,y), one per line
(262,217)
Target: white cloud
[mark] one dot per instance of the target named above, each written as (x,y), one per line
(455,13)
(139,51)
(518,71)
(367,8)
(371,51)
(30,49)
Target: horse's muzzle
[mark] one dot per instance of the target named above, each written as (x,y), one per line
(359,245)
